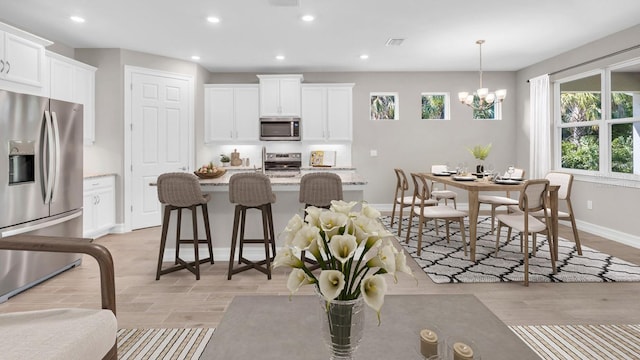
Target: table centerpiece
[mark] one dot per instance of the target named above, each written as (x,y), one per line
(353,251)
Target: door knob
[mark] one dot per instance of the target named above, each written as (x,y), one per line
(184,168)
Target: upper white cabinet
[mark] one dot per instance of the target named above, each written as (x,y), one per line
(73,81)
(327,112)
(22,60)
(280,95)
(231,112)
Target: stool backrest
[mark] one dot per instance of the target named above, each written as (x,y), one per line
(319,188)
(180,189)
(250,189)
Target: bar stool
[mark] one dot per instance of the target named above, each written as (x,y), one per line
(179,191)
(318,189)
(252,191)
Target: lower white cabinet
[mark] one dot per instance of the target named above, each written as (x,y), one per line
(99,206)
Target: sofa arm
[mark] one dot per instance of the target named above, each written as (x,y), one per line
(71,245)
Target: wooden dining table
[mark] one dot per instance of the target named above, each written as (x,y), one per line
(476,186)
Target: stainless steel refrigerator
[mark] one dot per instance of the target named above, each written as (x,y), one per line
(40,184)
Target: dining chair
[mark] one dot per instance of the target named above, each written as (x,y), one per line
(496,201)
(422,206)
(443,194)
(533,198)
(399,198)
(565,181)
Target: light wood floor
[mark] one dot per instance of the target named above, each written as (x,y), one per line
(178,300)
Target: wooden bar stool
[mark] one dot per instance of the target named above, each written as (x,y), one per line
(179,191)
(252,191)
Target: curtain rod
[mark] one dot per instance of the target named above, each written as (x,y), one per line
(596,59)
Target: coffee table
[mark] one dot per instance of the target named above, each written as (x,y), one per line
(272,327)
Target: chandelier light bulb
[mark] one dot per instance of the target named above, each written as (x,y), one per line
(482,93)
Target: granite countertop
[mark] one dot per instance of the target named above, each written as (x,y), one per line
(348,178)
(97,175)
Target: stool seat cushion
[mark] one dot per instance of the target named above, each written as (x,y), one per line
(58,334)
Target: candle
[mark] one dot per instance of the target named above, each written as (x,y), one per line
(428,343)
(462,351)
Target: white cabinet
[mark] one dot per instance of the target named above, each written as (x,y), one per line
(73,81)
(327,112)
(22,60)
(280,95)
(99,206)
(231,112)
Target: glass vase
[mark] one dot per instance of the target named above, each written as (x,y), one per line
(342,323)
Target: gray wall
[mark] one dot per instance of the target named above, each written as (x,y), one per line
(614,207)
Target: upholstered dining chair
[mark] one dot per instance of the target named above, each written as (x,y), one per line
(496,200)
(399,198)
(565,181)
(533,198)
(443,194)
(64,333)
(423,207)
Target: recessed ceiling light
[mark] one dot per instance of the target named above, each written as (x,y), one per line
(195,57)
(308,18)
(77,19)
(364,56)
(213,19)
(279,57)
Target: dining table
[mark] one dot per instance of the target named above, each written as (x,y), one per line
(475,185)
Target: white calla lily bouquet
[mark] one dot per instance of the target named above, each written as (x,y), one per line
(352,249)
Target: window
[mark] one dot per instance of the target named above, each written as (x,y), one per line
(384,106)
(598,122)
(435,106)
(493,112)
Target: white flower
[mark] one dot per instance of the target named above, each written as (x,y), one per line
(401,264)
(386,258)
(331,222)
(297,278)
(373,289)
(313,215)
(286,257)
(343,247)
(305,237)
(370,212)
(293,226)
(341,206)
(331,283)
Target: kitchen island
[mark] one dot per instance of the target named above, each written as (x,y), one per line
(221,214)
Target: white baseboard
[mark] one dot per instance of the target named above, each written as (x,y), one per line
(608,233)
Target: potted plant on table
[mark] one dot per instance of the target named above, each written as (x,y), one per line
(480,153)
(353,250)
(224,159)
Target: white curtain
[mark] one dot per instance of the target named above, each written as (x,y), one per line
(539,127)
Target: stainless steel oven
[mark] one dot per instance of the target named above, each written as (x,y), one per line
(282,164)
(280,129)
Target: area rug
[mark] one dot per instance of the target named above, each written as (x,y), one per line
(166,344)
(446,263)
(597,342)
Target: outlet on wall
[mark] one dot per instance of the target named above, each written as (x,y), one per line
(589,205)
(373,153)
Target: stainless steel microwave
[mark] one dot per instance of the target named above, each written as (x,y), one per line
(280,129)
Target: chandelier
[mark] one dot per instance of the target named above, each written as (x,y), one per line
(485,99)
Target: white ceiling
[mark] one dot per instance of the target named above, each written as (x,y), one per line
(440,35)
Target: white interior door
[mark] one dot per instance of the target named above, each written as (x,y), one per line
(160,140)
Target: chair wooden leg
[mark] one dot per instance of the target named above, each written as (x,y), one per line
(464,240)
(243,218)
(498,237)
(234,237)
(493,218)
(207,229)
(526,258)
(420,221)
(535,245)
(576,237)
(163,239)
(178,228)
(409,226)
(400,220)
(393,211)
(266,234)
(446,224)
(196,247)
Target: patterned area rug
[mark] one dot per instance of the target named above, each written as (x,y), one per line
(446,263)
(163,344)
(597,342)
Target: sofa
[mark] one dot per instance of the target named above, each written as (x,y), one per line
(69,333)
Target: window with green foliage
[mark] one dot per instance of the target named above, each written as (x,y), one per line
(435,106)
(491,112)
(598,122)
